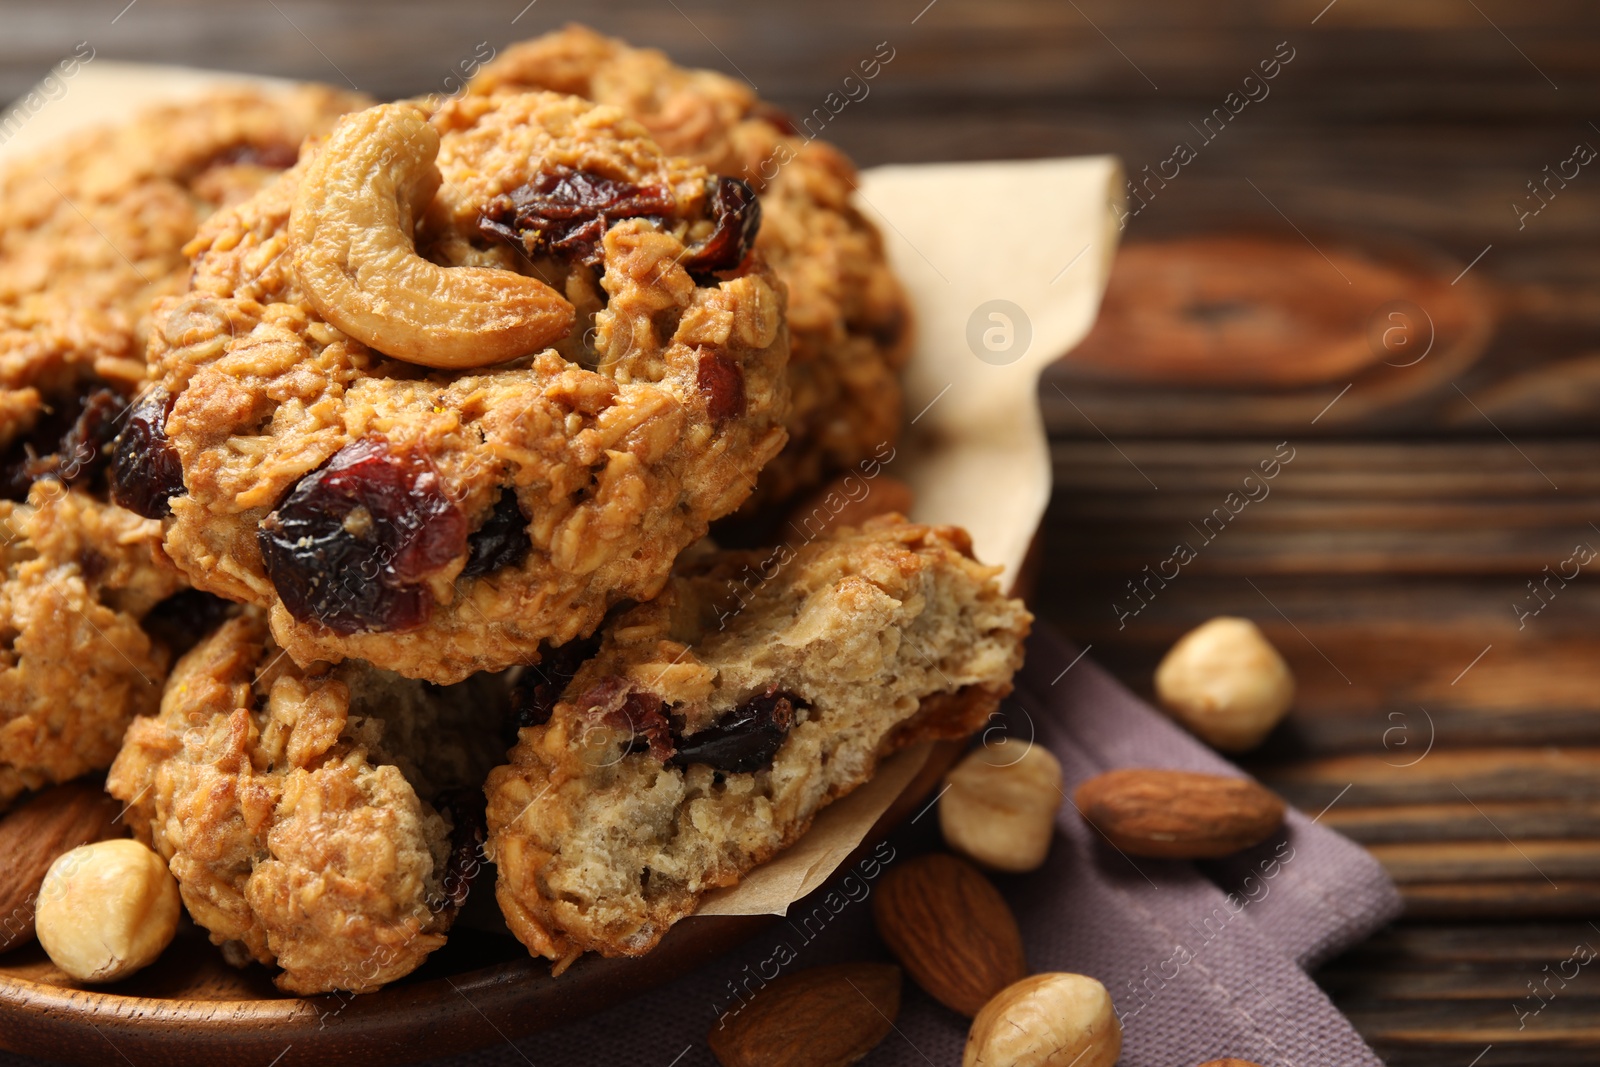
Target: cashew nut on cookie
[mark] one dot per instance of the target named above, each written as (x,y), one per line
(350,230)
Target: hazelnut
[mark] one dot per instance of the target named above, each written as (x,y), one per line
(1047,1020)
(106,910)
(1000,807)
(1226,683)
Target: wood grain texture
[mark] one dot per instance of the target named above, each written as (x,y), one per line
(1459,742)
(1392,561)
(1390,556)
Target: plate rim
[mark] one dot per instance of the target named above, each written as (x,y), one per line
(434,1017)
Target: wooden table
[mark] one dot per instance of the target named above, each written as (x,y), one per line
(1462,747)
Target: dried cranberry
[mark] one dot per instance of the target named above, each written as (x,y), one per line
(745,739)
(566,212)
(92,565)
(181,620)
(721,382)
(737,215)
(468,831)
(645,718)
(536,694)
(350,545)
(68,444)
(145,470)
(889,331)
(502,540)
(83,448)
(613,702)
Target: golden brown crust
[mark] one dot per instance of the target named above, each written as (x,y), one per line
(94,225)
(295,807)
(75,665)
(849,319)
(878,637)
(616,457)
(92,231)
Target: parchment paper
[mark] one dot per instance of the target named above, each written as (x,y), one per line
(1039,235)
(977,455)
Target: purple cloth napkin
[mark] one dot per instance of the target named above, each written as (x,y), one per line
(1200,965)
(1198,968)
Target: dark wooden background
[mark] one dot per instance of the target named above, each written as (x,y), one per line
(1462,748)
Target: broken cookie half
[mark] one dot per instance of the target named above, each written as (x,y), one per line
(713,723)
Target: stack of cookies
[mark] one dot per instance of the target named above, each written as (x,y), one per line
(367,470)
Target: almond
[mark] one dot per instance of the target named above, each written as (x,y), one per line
(950,929)
(32,836)
(820,1017)
(1178,814)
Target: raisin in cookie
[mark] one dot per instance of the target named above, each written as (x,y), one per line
(93,230)
(715,721)
(848,316)
(423,493)
(75,664)
(322,820)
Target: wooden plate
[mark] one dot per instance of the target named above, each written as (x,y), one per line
(967,467)
(192,1010)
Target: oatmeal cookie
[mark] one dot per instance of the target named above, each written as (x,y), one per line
(324,820)
(94,225)
(849,321)
(93,230)
(442,520)
(75,664)
(715,721)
